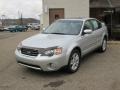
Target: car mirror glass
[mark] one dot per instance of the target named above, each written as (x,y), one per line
(44,29)
(87,31)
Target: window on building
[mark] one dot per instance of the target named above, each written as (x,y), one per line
(57,16)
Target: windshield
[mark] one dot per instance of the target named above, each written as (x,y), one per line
(66,27)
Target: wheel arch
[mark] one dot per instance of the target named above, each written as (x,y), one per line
(70,51)
(106,37)
(78,48)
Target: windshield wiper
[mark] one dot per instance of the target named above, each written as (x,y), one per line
(58,33)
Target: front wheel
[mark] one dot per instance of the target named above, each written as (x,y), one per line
(74,61)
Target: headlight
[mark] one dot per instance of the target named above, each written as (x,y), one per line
(51,52)
(19,46)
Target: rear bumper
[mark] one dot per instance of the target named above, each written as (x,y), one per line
(41,62)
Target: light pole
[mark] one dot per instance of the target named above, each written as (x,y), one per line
(3,20)
(20,17)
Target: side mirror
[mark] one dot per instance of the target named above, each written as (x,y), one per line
(44,29)
(103,24)
(88,31)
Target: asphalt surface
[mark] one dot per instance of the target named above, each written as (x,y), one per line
(98,71)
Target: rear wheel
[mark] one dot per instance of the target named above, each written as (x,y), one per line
(103,46)
(74,61)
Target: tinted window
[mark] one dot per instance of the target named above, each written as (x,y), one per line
(67,27)
(99,25)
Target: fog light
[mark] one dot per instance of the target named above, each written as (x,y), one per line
(52,66)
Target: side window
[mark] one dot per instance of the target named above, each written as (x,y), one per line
(88,25)
(96,24)
(99,25)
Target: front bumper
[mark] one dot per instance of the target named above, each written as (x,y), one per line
(44,63)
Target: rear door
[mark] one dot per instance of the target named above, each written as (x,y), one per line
(98,31)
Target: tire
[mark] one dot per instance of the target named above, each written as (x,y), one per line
(74,61)
(103,46)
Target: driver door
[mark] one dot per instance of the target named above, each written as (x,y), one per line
(87,40)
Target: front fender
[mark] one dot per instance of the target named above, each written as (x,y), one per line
(69,50)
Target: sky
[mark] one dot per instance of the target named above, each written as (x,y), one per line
(28,8)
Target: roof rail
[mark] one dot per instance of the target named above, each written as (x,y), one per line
(75,18)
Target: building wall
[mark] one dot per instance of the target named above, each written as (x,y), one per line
(73,8)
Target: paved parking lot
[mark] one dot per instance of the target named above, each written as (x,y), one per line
(97,71)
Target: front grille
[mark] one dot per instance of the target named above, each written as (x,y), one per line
(30,52)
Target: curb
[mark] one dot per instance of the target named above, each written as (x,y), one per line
(114,42)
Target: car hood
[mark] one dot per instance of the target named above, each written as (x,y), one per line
(48,40)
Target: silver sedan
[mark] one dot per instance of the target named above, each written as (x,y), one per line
(62,44)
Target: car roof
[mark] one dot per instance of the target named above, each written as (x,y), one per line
(81,19)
